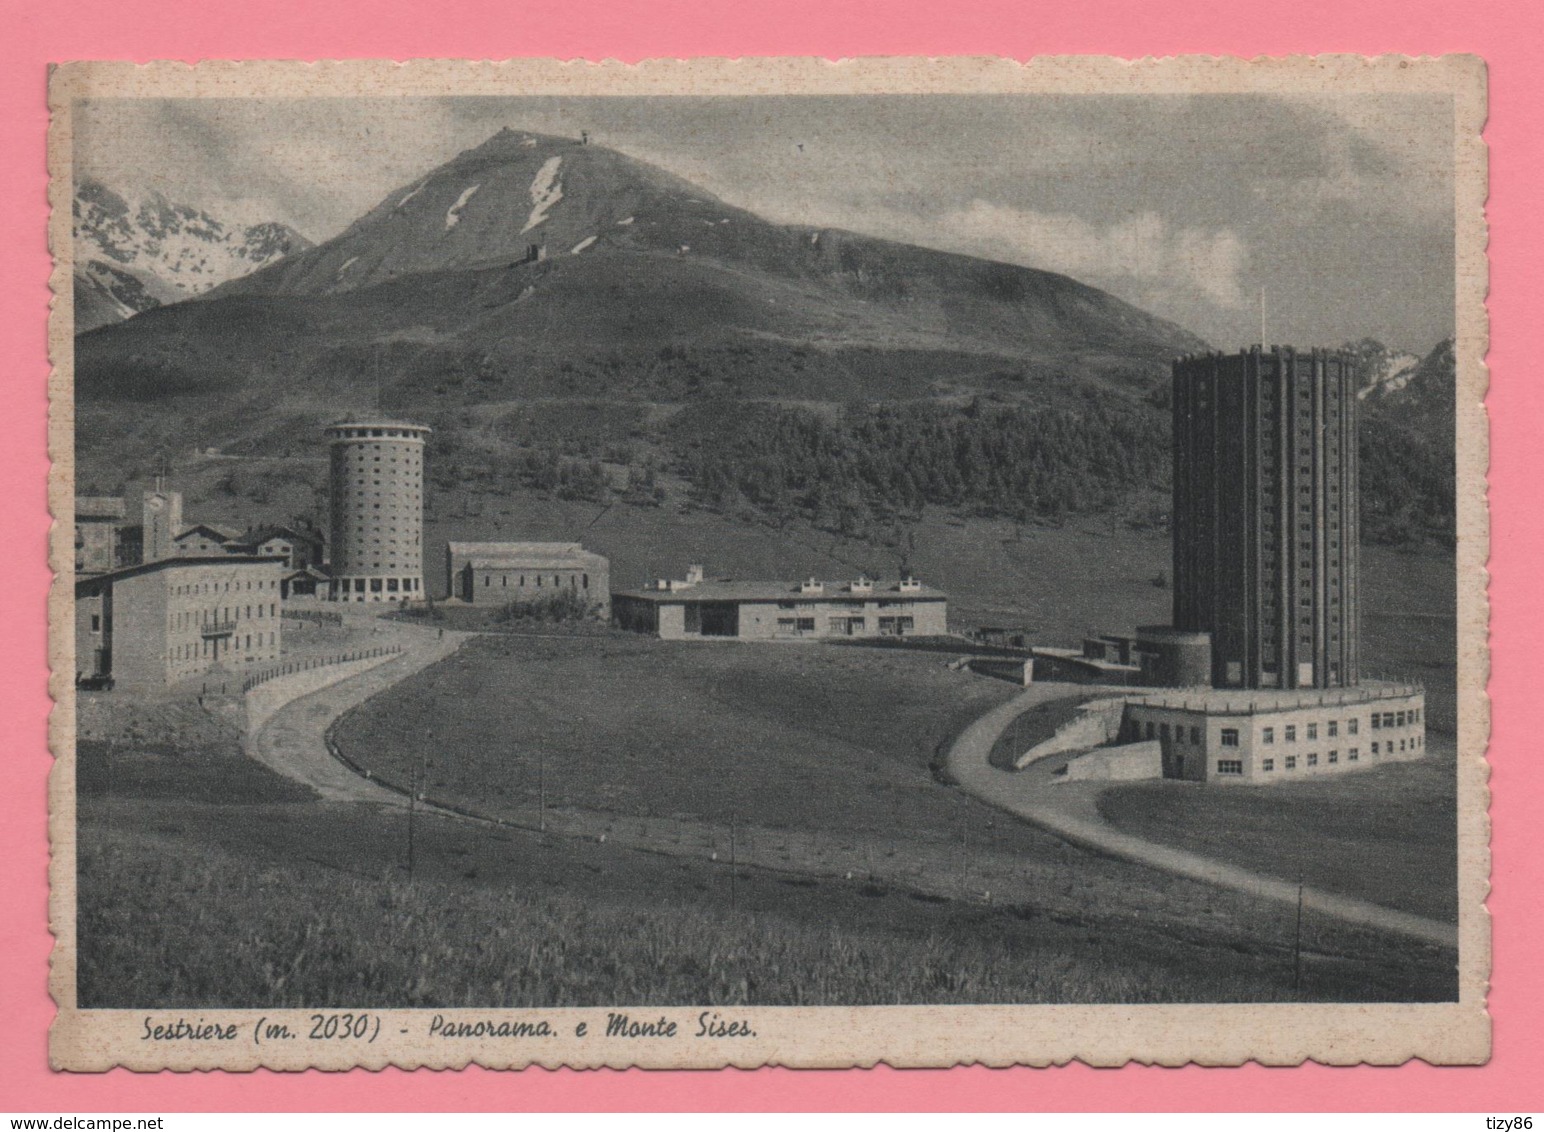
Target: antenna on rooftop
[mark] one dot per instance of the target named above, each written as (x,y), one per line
(1262,318)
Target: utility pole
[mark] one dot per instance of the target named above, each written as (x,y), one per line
(733,902)
(1297,942)
(416,782)
(412,809)
(541,792)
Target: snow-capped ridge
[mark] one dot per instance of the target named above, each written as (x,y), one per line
(134,255)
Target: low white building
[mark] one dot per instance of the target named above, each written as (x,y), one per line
(1264,736)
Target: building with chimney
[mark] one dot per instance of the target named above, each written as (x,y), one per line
(376,484)
(699,607)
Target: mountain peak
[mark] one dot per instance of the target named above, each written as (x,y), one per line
(132,255)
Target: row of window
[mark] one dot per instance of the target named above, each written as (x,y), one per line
(1354,754)
(192,588)
(1229,736)
(188,619)
(582,582)
(205,649)
(391,585)
(846,625)
(367,433)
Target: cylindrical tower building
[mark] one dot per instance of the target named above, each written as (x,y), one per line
(377,510)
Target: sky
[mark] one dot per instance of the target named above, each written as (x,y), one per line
(1339,208)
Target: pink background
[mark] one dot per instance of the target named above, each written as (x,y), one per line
(36,33)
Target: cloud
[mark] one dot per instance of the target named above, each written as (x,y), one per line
(1143,249)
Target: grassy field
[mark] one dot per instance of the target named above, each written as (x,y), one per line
(328,918)
(829,737)
(206,880)
(1388,834)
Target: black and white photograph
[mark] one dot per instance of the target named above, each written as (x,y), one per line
(569,567)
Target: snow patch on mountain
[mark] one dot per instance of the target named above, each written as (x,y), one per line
(546,191)
(582,244)
(416,189)
(348,263)
(626,222)
(453,216)
(1393,373)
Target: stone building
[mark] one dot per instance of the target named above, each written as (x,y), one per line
(159,623)
(97,520)
(498,573)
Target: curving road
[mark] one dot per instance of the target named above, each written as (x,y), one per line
(1070,810)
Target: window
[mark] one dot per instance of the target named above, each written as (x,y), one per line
(1399,720)
(1195,736)
(1377,721)
(1334,757)
(96,622)
(1291,733)
(1352,755)
(1268,735)
(1163,732)
(806,624)
(1313,731)
(1291,762)
(1388,719)
(1375,748)
(1351,726)
(1230,766)
(1268,765)
(1313,758)
(1230,736)
(1334,726)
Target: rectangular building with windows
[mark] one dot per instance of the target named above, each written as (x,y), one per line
(792,611)
(1264,737)
(1265,515)
(499,573)
(158,623)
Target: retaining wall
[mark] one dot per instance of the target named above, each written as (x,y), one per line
(1096,723)
(1127,763)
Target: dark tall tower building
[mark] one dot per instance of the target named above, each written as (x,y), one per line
(1265,515)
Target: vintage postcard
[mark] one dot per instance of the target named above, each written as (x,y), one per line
(769,562)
